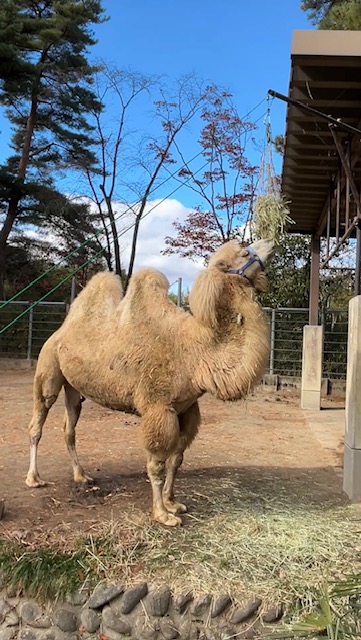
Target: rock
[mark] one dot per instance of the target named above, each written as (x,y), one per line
(158,601)
(27,634)
(103,594)
(220,605)
(91,620)
(243,613)
(32,614)
(168,629)
(114,622)
(226,632)
(51,634)
(200,608)
(12,591)
(248,634)
(8,633)
(11,619)
(79,597)
(65,620)
(5,607)
(194,632)
(273,615)
(112,635)
(145,630)
(182,600)
(131,597)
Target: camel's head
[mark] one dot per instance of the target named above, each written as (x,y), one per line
(249,262)
(230,262)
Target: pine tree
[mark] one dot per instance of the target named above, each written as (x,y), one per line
(45,88)
(334,14)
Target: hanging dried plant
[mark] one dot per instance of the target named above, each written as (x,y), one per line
(271,217)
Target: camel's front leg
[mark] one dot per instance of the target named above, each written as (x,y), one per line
(173,463)
(156,473)
(188,428)
(160,433)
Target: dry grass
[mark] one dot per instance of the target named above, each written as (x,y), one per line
(244,543)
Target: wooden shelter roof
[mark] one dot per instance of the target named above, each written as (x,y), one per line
(325,75)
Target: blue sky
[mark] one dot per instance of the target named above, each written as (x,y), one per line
(242,46)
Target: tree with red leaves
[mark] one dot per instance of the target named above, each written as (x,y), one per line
(226,184)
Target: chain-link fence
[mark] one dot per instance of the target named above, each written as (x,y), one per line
(26,336)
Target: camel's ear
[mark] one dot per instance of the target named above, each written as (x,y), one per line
(222,265)
(205,294)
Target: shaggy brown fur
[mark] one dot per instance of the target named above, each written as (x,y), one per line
(143,354)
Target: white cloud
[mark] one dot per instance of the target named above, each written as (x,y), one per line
(153,229)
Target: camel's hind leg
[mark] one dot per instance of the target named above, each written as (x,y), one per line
(72,414)
(188,423)
(45,394)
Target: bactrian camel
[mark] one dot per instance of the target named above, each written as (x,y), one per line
(142,354)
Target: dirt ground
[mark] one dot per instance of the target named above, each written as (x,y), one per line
(265,438)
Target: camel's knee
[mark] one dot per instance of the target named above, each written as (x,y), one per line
(188,425)
(160,430)
(50,400)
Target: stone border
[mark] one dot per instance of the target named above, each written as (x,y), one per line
(142,612)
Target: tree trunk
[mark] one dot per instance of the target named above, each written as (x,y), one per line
(134,246)
(12,211)
(4,234)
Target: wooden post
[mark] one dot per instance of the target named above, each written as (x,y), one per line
(314,280)
(312,339)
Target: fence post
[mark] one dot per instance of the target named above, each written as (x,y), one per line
(273,333)
(179,296)
(30,333)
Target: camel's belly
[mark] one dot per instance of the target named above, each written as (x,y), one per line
(104,384)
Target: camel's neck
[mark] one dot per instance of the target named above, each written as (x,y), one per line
(235,352)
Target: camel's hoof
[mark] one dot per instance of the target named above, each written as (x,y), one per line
(83,479)
(168,520)
(34,482)
(175,507)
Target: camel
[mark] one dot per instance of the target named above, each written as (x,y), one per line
(142,354)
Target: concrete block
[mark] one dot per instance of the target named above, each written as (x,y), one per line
(311,367)
(352,473)
(310,399)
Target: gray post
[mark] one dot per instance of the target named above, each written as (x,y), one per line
(30,333)
(179,296)
(73,289)
(273,333)
(352,455)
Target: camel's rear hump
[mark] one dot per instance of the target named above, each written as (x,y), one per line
(99,298)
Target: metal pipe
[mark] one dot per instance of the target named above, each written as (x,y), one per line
(306,107)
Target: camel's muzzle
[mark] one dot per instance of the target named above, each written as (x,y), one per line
(242,271)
